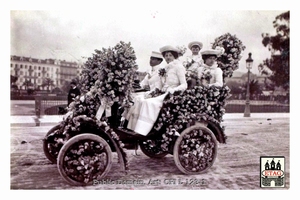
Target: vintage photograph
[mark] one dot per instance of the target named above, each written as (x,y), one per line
(150,98)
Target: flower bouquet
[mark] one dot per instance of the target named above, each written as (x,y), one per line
(229,60)
(205,77)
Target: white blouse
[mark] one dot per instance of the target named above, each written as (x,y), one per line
(175,77)
(152,79)
(216,73)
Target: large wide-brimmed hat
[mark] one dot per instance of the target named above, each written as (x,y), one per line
(216,52)
(195,43)
(168,48)
(156,55)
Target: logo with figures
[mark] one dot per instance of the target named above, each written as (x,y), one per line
(272,171)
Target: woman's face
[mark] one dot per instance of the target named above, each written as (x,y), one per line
(195,50)
(169,57)
(210,60)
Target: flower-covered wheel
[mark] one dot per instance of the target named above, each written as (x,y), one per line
(84,158)
(52,143)
(152,149)
(195,150)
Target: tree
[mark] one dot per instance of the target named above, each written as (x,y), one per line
(279,45)
(47,82)
(13,79)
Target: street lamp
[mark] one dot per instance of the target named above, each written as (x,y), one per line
(249,63)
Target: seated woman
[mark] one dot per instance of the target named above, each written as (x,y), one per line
(142,120)
(210,74)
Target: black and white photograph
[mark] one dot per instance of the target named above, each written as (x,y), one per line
(150,96)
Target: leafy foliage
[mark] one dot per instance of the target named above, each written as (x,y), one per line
(279,45)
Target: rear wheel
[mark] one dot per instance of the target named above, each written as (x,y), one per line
(152,149)
(195,150)
(84,159)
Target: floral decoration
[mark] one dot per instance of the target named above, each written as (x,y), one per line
(233,48)
(206,76)
(196,150)
(110,73)
(154,93)
(162,72)
(182,49)
(181,109)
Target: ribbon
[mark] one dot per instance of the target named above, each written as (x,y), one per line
(105,106)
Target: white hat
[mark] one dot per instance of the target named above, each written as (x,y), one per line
(168,48)
(199,44)
(156,55)
(212,52)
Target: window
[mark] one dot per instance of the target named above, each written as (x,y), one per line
(30,67)
(34,67)
(11,65)
(39,68)
(34,73)
(25,66)
(16,65)
(21,72)
(39,74)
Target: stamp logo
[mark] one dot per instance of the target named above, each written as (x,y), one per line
(272,171)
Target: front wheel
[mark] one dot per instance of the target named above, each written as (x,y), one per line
(52,143)
(195,150)
(84,159)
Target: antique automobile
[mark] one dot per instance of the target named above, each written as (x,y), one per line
(85,153)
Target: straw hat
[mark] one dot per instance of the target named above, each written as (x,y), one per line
(168,48)
(195,43)
(212,52)
(156,55)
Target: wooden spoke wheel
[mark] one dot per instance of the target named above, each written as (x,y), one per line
(52,143)
(195,150)
(152,149)
(83,159)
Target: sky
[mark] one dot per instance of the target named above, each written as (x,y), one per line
(73,35)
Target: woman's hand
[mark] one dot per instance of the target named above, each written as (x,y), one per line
(171,90)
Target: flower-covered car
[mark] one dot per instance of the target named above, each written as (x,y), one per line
(188,125)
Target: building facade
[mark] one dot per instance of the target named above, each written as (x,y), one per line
(34,73)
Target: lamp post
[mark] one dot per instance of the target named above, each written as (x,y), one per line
(249,63)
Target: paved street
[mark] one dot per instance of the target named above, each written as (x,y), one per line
(237,165)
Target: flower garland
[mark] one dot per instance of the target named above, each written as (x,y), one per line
(229,60)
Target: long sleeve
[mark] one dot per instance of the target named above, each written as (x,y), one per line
(182,79)
(145,81)
(218,78)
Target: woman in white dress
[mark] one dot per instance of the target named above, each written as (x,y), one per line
(174,80)
(210,74)
(151,81)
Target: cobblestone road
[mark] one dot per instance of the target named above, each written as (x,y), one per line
(236,167)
